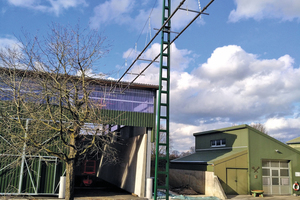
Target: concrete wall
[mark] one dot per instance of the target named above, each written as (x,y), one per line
(203,182)
(130,173)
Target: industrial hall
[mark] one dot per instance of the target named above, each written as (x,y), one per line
(128,118)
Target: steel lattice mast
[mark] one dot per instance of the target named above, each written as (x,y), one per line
(162,129)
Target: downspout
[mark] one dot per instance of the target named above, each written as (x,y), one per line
(249,161)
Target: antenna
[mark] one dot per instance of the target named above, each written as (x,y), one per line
(187,7)
(154,60)
(199,7)
(149,30)
(156,34)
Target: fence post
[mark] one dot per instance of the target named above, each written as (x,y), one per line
(62,187)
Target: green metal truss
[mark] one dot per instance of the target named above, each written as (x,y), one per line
(162,130)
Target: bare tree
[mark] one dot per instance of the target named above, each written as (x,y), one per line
(192,149)
(46,107)
(188,152)
(162,149)
(174,154)
(260,127)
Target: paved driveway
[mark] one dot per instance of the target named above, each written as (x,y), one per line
(246,197)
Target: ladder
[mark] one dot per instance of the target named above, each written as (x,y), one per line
(162,130)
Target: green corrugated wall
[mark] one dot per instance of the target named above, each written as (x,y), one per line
(9,177)
(39,177)
(128,118)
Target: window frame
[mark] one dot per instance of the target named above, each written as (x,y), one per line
(218,143)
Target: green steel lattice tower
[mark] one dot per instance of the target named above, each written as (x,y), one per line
(162,129)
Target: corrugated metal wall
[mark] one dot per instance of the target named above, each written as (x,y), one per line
(37,175)
(129,118)
(9,175)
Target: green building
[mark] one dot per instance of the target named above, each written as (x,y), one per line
(237,160)
(295,143)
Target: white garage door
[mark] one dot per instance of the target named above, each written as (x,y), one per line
(276,179)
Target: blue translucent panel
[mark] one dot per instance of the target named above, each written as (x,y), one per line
(132,100)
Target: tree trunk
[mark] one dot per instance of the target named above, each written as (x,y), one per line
(70,180)
(70,170)
(70,173)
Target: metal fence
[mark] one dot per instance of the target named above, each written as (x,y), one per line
(22,173)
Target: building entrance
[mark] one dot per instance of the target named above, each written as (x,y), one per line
(276,179)
(237,181)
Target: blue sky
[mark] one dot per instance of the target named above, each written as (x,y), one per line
(240,64)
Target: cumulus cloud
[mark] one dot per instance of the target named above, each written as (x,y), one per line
(182,134)
(231,62)
(11,48)
(52,6)
(232,87)
(259,9)
(180,60)
(282,128)
(119,12)
(9,42)
(238,85)
(180,19)
(112,11)
(91,73)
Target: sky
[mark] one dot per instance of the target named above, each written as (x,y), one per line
(237,65)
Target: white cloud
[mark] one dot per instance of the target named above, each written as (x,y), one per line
(135,13)
(231,62)
(112,11)
(51,6)
(22,2)
(231,87)
(92,74)
(180,60)
(180,19)
(130,54)
(182,134)
(283,128)
(11,48)
(259,9)
(9,42)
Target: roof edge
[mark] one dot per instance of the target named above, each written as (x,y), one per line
(294,141)
(222,130)
(100,81)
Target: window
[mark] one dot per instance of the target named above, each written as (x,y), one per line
(265,172)
(218,143)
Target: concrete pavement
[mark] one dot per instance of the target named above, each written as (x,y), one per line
(100,193)
(249,197)
(109,196)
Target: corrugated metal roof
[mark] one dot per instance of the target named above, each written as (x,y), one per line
(122,84)
(141,84)
(294,141)
(209,156)
(100,81)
